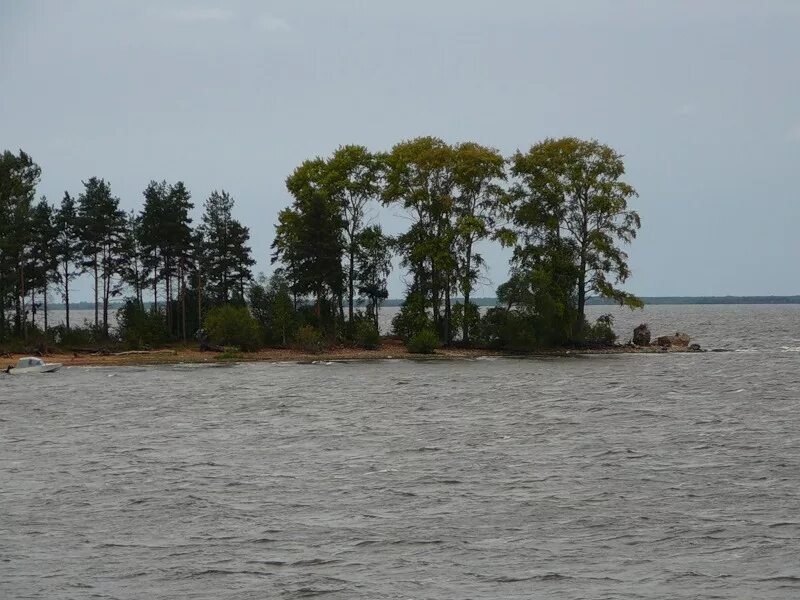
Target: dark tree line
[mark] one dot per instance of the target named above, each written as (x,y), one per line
(154,253)
(562,206)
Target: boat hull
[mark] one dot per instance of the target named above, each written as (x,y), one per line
(45,368)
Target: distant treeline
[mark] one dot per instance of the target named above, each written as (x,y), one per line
(709,300)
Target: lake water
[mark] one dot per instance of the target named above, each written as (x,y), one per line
(631,476)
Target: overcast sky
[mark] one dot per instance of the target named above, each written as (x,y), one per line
(701,96)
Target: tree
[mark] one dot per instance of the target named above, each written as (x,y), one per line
(150,232)
(373,265)
(101,224)
(477,174)
(19,176)
(419,177)
(352,178)
(132,269)
(67,247)
(225,257)
(271,305)
(570,191)
(42,259)
(310,243)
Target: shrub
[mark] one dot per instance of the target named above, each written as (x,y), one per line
(272,307)
(230,325)
(75,337)
(601,333)
(460,313)
(506,329)
(423,342)
(367,335)
(308,339)
(139,328)
(412,318)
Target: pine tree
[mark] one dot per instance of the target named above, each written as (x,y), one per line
(225,259)
(101,225)
(67,248)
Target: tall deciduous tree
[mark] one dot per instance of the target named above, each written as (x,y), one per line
(352,178)
(309,242)
(419,177)
(571,191)
(478,173)
(373,265)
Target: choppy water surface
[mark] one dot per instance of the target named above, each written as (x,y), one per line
(658,476)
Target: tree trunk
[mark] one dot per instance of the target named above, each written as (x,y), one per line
(44,306)
(581,298)
(467,292)
(2,313)
(168,294)
(183,305)
(66,292)
(96,299)
(447,313)
(155,288)
(199,300)
(21,318)
(351,276)
(106,294)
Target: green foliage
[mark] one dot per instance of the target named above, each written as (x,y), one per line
(373,265)
(412,318)
(19,176)
(231,325)
(222,250)
(507,329)
(309,240)
(569,194)
(423,342)
(367,335)
(86,336)
(272,307)
(308,339)
(139,328)
(462,313)
(601,333)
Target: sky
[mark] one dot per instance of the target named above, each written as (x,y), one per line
(702,97)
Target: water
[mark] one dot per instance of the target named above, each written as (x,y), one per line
(633,476)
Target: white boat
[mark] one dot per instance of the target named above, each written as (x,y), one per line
(32,364)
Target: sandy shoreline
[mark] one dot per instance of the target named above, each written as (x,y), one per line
(390,349)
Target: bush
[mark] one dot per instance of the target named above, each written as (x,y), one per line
(308,339)
(76,337)
(412,318)
(230,325)
(139,328)
(423,342)
(505,329)
(460,313)
(367,335)
(601,333)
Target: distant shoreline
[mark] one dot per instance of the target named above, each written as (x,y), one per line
(488,301)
